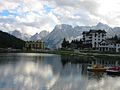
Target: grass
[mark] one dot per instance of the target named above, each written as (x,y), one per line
(86,54)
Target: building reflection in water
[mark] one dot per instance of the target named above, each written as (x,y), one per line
(35,71)
(85,62)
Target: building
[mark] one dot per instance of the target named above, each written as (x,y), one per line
(92,38)
(34,45)
(109,45)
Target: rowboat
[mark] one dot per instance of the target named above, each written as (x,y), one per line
(96,68)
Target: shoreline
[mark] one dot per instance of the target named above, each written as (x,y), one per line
(69,53)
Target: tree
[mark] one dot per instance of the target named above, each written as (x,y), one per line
(75,44)
(64,43)
(116,37)
(10,41)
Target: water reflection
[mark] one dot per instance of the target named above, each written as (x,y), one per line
(53,72)
(91,80)
(28,72)
(106,83)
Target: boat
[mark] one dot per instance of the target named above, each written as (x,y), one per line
(113,71)
(96,68)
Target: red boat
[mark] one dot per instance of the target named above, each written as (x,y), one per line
(113,70)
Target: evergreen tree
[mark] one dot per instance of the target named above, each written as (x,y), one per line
(64,43)
(9,41)
(75,44)
(116,37)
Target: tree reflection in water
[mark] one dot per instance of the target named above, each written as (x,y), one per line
(54,72)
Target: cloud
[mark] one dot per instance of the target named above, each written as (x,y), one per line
(38,15)
(90,6)
(8,4)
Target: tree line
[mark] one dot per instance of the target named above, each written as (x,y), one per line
(115,38)
(74,44)
(10,41)
(78,44)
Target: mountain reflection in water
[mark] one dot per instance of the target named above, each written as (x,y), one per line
(33,71)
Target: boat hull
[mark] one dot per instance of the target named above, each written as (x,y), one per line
(113,72)
(97,69)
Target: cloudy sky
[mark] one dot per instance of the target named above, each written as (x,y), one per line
(31,16)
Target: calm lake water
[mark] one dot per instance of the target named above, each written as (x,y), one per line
(33,71)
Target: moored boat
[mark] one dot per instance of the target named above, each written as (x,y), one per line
(113,71)
(96,68)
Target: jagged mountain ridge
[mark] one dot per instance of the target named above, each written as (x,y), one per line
(20,35)
(27,37)
(39,36)
(54,39)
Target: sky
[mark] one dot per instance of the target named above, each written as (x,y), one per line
(31,16)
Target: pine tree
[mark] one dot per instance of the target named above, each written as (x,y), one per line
(64,43)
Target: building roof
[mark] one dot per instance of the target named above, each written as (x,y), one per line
(108,41)
(94,31)
(35,41)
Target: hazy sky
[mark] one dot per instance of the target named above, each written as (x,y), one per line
(32,16)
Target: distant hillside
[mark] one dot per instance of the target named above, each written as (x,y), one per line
(10,41)
(20,35)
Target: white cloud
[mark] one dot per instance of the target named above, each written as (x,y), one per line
(8,4)
(36,15)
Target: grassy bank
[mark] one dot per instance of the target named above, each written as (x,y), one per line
(86,54)
(69,53)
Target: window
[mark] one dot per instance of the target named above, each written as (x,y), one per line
(37,45)
(103,44)
(95,34)
(95,44)
(33,45)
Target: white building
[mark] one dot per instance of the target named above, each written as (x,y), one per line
(109,45)
(94,37)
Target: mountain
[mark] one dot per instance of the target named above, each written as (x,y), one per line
(116,30)
(43,34)
(105,27)
(55,38)
(7,40)
(20,35)
(39,36)
(26,37)
(79,29)
(35,37)
(101,26)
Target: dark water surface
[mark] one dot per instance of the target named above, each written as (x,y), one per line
(33,71)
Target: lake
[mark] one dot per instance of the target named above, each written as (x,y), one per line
(37,71)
